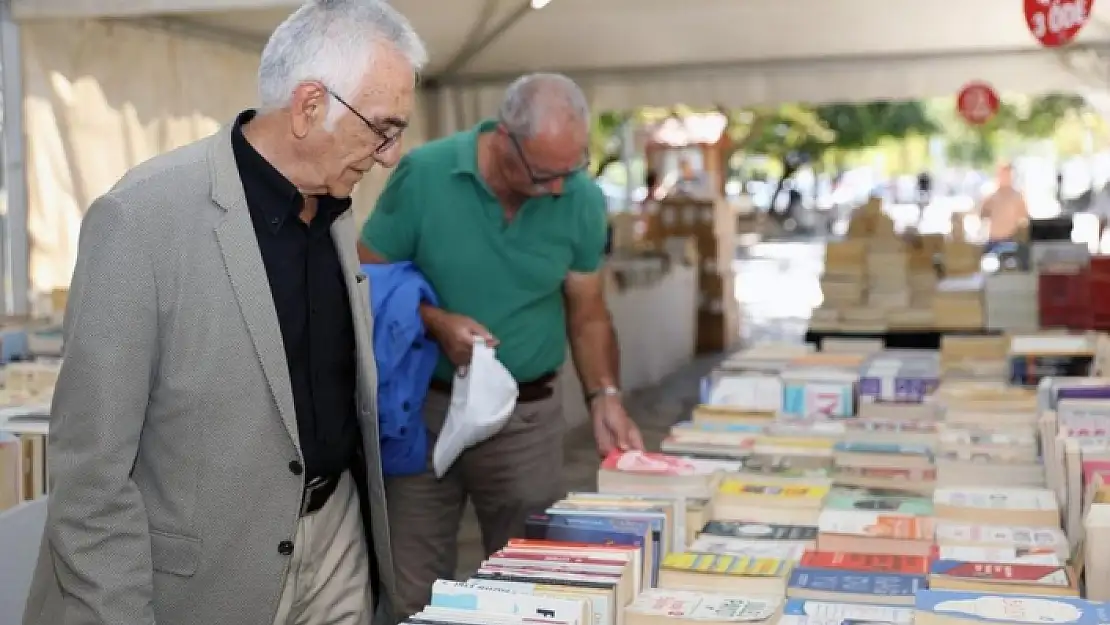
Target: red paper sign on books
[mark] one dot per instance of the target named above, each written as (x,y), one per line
(1056,22)
(977,103)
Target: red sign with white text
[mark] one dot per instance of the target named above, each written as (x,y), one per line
(1056,22)
(977,103)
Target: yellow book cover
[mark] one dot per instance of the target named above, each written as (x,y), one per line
(724,564)
(777,491)
(792,441)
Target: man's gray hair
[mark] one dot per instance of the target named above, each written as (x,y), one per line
(327,40)
(532,97)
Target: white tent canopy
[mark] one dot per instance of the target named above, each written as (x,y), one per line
(109,83)
(634,52)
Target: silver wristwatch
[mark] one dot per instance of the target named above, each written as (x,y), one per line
(605,391)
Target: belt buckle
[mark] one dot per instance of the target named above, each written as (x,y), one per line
(310,488)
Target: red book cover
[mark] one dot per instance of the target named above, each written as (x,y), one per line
(993,571)
(865,563)
(539,543)
(549,558)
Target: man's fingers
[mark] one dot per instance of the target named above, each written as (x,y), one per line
(635,438)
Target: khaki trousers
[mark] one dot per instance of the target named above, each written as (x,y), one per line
(516,473)
(328,582)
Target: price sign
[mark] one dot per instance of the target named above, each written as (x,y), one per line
(1056,22)
(977,103)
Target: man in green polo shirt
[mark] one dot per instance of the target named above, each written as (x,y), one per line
(509,230)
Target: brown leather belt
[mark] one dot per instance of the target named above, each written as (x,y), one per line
(316,493)
(527,392)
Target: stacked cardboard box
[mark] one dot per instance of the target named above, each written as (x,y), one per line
(875,280)
(1011,301)
(711,224)
(958,303)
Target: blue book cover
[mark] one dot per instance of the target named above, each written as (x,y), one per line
(591,531)
(883,448)
(993,608)
(657,523)
(743,428)
(882,585)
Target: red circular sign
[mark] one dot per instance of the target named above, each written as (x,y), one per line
(1056,22)
(977,102)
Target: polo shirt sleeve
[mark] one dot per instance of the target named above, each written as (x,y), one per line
(392,229)
(590,247)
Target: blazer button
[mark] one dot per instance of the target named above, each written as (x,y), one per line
(296,468)
(285,548)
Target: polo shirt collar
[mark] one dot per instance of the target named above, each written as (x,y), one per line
(468,148)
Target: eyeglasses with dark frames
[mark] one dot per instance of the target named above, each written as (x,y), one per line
(541,179)
(388,140)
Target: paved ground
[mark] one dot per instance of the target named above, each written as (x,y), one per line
(777,286)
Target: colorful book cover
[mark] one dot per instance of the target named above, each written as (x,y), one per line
(865,563)
(891,426)
(772,491)
(849,500)
(645,462)
(877,584)
(876,525)
(997,498)
(830,613)
(730,428)
(859,447)
(760,531)
(884,473)
(723,564)
(657,524)
(707,543)
(699,606)
(545,527)
(1016,609)
(1045,575)
(1032,539)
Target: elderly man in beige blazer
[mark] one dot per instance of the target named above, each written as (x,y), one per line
(214,427)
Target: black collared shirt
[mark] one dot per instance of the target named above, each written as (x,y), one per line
(313,307)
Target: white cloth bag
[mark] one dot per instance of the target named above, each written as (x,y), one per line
(482,400)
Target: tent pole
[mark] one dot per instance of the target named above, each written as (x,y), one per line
(17,260)
(467,54)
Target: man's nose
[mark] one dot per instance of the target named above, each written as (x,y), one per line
(390,157)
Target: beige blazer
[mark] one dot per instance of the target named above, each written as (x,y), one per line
(173,429)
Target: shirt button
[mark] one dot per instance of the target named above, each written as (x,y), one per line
(296,468)
(285,547)
(405,406)
(275,221)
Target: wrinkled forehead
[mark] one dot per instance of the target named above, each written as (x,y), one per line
(388,87)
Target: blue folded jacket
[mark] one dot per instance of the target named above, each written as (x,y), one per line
(406,357)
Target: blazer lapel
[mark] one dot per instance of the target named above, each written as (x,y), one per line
(358,290)
(243,260)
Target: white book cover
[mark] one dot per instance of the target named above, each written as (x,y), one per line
(992,498)
(699,606)
(805,612)
(472,617)
(1042,539)
(997,555)
(603,611)
(467,596)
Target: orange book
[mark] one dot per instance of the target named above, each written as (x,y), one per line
(865,562)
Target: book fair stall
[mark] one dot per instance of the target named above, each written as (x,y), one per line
(937,451)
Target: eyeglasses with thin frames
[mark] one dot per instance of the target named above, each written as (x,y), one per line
(546,179)
(388,140)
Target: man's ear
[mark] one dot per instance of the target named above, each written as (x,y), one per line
(308,107)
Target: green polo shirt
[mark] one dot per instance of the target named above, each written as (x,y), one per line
(437,211)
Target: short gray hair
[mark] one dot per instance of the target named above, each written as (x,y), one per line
(533,96)
(322,39)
